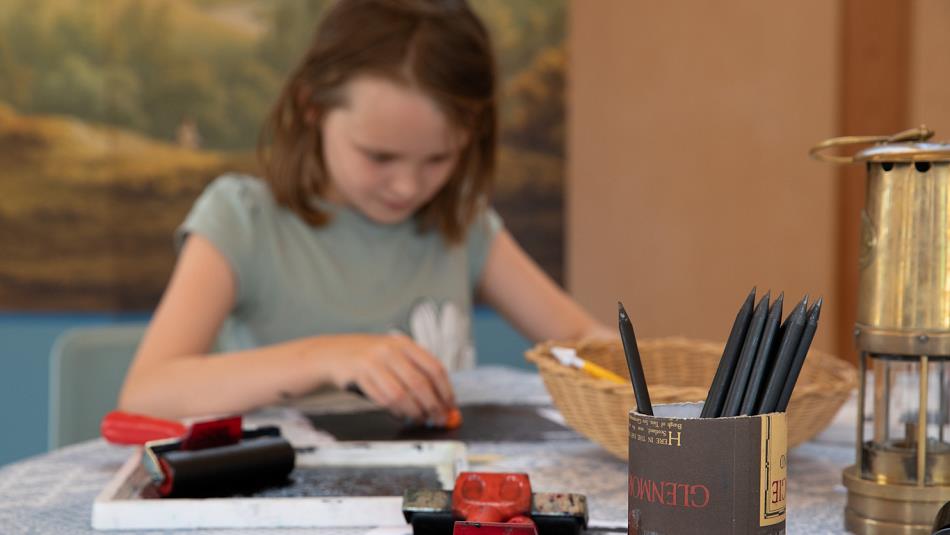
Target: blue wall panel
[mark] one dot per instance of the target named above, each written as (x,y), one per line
(25,343)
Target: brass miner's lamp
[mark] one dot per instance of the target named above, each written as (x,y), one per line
(901,476)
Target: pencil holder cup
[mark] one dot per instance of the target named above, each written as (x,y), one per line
(712,475)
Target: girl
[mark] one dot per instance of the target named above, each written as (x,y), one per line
(371,224)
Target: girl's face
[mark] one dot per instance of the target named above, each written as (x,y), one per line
(388,149)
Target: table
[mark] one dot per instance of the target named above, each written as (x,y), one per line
(53,492)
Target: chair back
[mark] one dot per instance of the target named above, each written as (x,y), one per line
(87,368)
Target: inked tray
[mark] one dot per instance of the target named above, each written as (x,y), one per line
(342,484)
(483,423)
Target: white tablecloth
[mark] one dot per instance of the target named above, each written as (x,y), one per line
(53,493)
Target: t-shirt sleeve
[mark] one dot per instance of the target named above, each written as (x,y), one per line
(481,234)
(224,215)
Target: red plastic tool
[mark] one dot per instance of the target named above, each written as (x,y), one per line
(120,427)
(492,504)
(492,497)
(486,503)
(493,528)
(126,428)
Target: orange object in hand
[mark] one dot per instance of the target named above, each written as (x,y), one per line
(454,419)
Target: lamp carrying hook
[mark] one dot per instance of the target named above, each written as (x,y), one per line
(921,133)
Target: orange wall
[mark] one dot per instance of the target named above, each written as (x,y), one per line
(688,178)
(930,66)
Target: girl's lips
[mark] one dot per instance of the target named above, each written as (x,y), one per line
(397,206)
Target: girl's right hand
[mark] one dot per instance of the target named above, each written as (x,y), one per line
(392,371)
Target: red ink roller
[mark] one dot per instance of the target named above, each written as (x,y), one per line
(206,459)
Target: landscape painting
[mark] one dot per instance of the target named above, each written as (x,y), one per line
(115,114)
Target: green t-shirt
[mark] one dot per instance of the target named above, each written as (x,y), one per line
(350,276)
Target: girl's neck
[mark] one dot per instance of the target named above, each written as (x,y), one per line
(337,206)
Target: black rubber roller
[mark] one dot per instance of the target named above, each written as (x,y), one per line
(241,468)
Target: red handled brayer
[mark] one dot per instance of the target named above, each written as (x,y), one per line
(484,503)
(208,458)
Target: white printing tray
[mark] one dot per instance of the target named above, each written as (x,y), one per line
(119,505)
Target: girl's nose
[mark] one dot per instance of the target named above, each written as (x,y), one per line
(406,183)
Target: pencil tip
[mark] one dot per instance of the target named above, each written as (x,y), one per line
(815,309)
(620,309)
(763,302)
(781,297)
(749,299)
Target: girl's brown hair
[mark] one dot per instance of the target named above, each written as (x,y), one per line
(437,46)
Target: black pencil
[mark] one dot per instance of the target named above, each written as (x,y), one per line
(808,334)
(763,357)
(727,364)
(744,367)
(634,365)
(795,324)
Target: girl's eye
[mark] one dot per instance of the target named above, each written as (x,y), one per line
(380,157)
(436,160)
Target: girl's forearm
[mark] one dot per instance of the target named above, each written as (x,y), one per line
(598,330)
(579,325)
(197,385)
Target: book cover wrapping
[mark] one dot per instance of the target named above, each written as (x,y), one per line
(709,475)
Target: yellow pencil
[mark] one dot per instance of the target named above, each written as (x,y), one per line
(568,357)
(601,372)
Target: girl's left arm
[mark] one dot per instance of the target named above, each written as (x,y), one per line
(513,284)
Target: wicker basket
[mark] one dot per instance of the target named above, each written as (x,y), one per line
(678,370)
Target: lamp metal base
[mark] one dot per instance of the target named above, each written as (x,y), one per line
(886,509)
